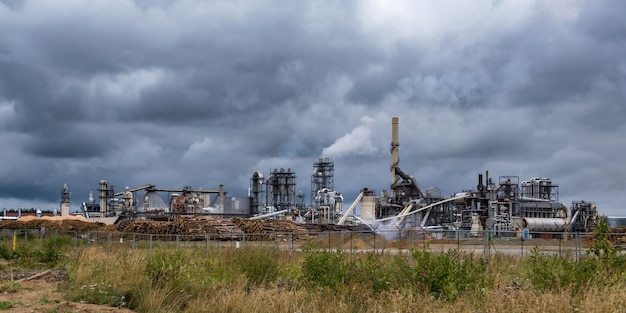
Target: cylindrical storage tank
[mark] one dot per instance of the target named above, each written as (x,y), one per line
(544,224)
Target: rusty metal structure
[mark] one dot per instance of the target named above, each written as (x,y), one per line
(505,206)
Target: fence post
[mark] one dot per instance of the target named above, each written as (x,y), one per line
(341,241)
(291,240)
(150,250)
(400,240)
(207,244)
(329,241)
(177,241)
(486,244)
(351,236)
(577,245)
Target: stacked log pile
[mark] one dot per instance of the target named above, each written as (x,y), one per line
(189,228)
(618,234)
(278,230)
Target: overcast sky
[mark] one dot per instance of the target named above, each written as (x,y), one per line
(202,93)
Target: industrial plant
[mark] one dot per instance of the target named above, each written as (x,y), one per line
(502,205)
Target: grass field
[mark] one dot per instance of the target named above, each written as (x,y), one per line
(268,279)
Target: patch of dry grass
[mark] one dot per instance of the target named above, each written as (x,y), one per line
(193,281)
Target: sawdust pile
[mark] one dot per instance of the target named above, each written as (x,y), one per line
(79,224)
(349,241)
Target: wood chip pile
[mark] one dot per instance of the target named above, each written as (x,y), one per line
(66,225)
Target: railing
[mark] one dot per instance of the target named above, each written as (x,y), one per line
(380,241)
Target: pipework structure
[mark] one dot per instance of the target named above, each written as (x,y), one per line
(323,176)
(281,190)
(257,183)
(404,188)
(65,200)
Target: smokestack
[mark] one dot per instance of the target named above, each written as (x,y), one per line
(221,200)
(103,197)
(394,150)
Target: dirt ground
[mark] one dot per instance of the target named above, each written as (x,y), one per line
(43,295)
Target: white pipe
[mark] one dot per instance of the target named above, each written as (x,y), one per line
(573,219)
(258,217)
(403,212)
(425,218)
(422,209)
(343,219)
(534,199)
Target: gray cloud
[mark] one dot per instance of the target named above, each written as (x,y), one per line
(205,93)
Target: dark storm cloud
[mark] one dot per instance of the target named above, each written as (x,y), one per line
(200,93)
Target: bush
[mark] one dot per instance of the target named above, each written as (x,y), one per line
(164,267)
(601,266)
(445,275)
(324,268)
(380,272)
(260,265)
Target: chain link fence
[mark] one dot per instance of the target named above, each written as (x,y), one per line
(380,241)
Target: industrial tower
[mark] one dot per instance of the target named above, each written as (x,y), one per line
(323,176)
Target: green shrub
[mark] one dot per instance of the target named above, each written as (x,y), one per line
(6,253)
(380,272)
(445,275)
(5,305)
(602,265)
(324,268)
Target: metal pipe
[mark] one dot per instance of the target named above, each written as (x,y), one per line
(423,208)
(544,224)
(342,220)
(258,217)
(406,210)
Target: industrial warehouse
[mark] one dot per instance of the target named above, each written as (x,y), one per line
(503,205)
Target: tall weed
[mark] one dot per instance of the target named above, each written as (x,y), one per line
(324,268)
(260,265)
(446,275)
